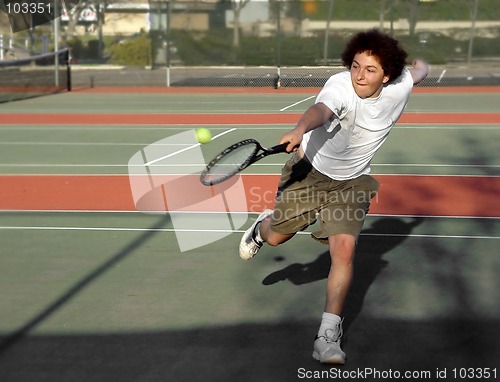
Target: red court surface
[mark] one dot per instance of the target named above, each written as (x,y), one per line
(399,194)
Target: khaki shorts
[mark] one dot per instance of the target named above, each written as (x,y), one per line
(304,195)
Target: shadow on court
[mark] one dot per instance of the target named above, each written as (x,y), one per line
(384,235)
(253,353)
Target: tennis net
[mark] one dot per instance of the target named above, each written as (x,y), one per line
(35,76)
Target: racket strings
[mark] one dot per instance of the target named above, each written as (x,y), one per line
(229,163)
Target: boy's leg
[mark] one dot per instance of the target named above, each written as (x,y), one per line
(342,247)
(341,226)
(327,344)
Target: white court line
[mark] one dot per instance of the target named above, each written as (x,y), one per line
(185,149)
(28,143)
(441,76)
(120,229)
(373,164)
(434,165)
(465,126)
(156,213)
(296,103)
(79,165)
(277,126)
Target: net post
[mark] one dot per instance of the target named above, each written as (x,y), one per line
(56,43)
(68,70)
(277,80)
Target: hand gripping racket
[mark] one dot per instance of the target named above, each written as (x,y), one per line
(236,158)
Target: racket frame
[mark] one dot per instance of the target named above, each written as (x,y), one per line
(252,158)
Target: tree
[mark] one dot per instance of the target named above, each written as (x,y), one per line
(237,6)
(474,4)
(383,10)
(73,10)
(413,15)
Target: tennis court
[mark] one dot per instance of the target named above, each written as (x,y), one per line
(93,290)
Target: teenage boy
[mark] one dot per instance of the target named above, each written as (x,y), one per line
(328,176)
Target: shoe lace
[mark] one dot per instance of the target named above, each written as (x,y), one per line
(335,334)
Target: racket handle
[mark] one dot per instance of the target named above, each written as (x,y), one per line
(281,148)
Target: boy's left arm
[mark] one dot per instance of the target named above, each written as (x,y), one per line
(419,70)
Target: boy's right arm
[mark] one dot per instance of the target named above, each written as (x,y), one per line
(317,115)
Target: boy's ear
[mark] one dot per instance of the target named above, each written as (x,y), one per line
(386,79)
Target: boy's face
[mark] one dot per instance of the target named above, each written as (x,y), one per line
(367,75)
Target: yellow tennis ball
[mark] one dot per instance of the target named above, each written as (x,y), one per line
(203,135)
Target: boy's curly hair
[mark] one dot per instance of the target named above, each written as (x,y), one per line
(390,54)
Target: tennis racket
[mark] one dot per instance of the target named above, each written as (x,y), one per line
(236,158)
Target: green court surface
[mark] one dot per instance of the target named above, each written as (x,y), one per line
(108,295)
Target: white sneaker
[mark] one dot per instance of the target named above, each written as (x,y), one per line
(248,245)
(327,348)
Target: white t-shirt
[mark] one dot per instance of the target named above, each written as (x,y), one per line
(344,147)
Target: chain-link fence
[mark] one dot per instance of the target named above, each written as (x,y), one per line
(299,43)
(314,32)
(281,42)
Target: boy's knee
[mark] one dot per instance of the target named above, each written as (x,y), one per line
(342,247)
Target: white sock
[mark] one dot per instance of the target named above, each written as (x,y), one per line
(328,321)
